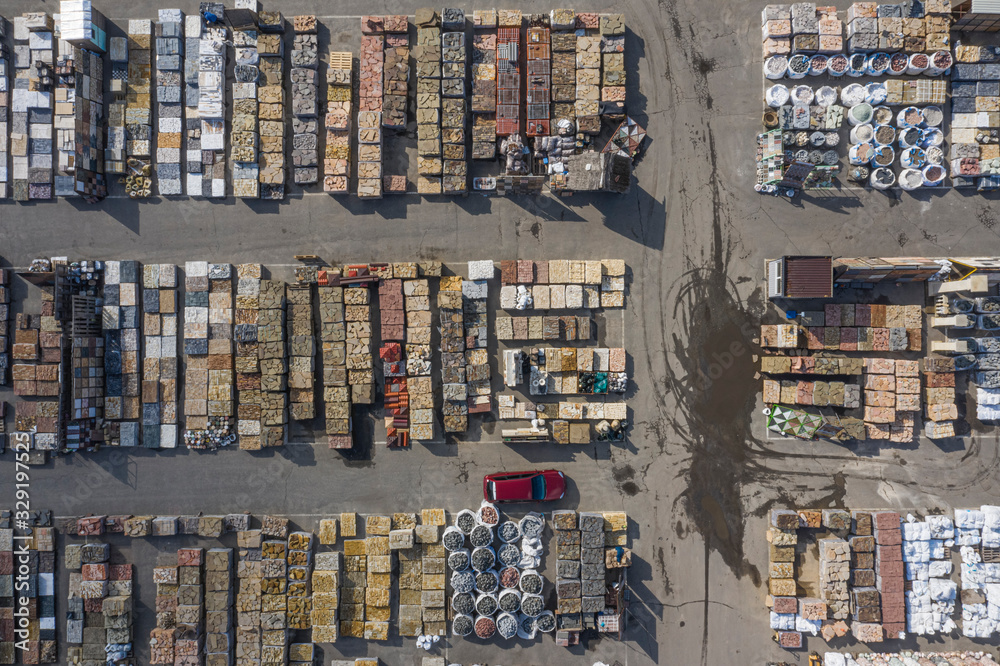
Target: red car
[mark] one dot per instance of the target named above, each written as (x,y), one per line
(543,486)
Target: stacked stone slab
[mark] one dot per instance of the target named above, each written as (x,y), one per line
(4,119)
(889,571)
(245,135)
(337,120)
(359,342)
(834,574)
(162,639)
(378,583)
(88,591)
(939,386)
(396,72)
(326,586)
(372,59)
(169,87)
(301,352)
(208,366)
(159,369)
(613,63)
(271,350)
(353,592)
(416,294)
(484,84)
(588,77)
(218,606)
(428,57)
(138,111)
(247,351)
(569,570)
(5,303)
(271,110)
(455,409)
(274,586)
(193,167)
(300,563)
(402,542)
(190,615)
(211,106)
(336,391)
(975,116)
(475,291)
(454,111)
(432,572)
(305,95)
(121,322)
(31,126)
(248,597)
(563,38)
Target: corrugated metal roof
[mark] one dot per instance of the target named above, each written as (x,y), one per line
(809,277)
(986,6)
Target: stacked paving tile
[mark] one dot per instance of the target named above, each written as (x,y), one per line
(337,120)
(336,391)
(208,350)
(359,343)
(834,575)
(299,558)
(560,284)
(305,97)
(271,109)
(159,367)
(169,110)
(301,352)
(475,291)
(212,107)
(218,606)
(539,92)
(116,141)
(538,327)
(249,583)
(865,603)
(64,118)
(821,393)
(192,167)
(930,601)
(372,58)
(508,72)
(484,84)
(416,294)
(89,593)
(975,116)
(31,126)
(428,58)
(613,60)
(853,327)
(378,574)
(274,588)
(782,538)
(37,354)
(5,99)
(588,74)
(247,351)
(190,615)
(326,586)
(941,409)
(454,111)
(271,348)
(889,572)
(139,92)
(121,322)
(393,326)
(354,582)
(455,408)
(892,393)
(245,136)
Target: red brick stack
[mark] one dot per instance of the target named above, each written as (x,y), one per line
(889,571)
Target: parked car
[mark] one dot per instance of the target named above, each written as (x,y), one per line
(543,486)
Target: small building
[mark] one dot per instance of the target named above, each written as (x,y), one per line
(976,16)
(800,277)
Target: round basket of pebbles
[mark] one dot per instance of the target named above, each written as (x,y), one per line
(509,601)
(465,521)
(545,621)
(453,539)
(463,581)
(510,577)
(509,532)
(506,625)
(481,535)
(532,526)
(463,603)
(462,625)
(487,581)
(486,604)
(531,582)
(483,559)
(509,554)
(459,559)
(532,605)
(485,627)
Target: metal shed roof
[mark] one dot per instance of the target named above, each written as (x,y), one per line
(809,277)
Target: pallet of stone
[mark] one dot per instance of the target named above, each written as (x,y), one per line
(336,164)
(271,110)
(302,347)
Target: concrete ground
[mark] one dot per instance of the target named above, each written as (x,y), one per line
(696,476)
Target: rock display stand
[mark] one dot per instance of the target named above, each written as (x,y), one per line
(160,361)
(245,141)
(428,58)
(416,294)
(271,111)
(169,109)
(211,105)
(336,391)
(272,352)
(123,303)
(247,367)
(301,352)
(305,96)
(455,408)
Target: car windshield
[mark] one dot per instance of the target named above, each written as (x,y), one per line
(491,490)
(538,487)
